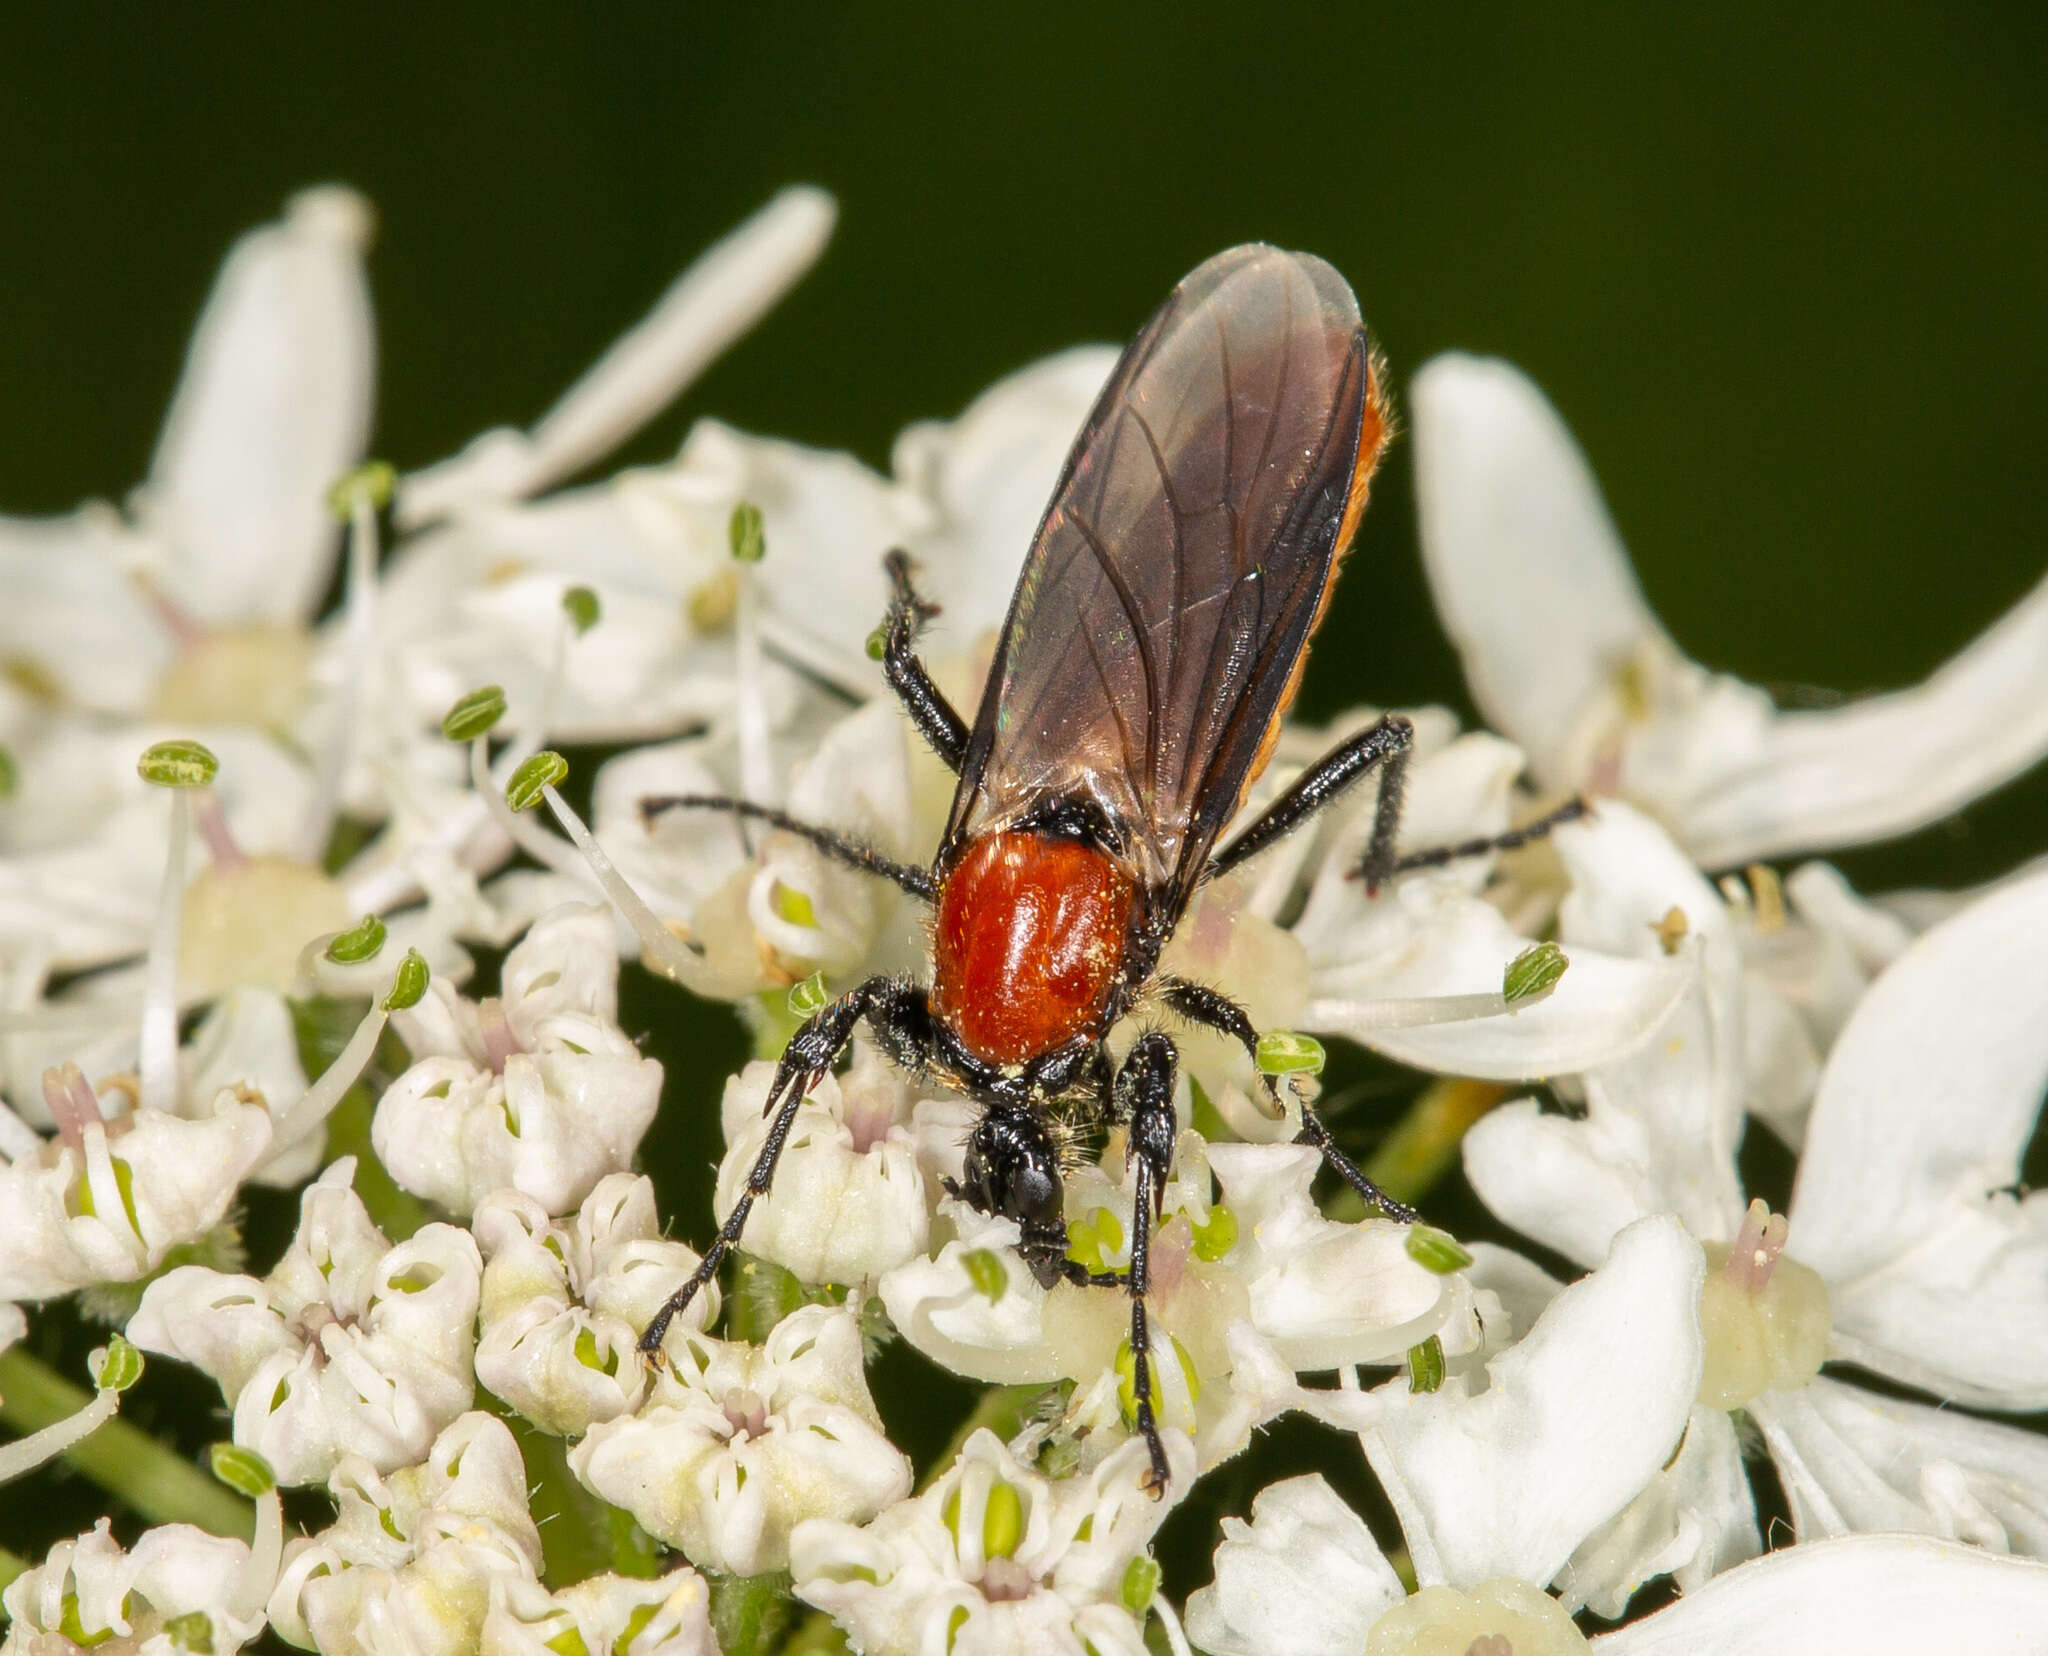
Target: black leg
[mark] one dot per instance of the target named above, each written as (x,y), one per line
(1144,1089)
(1437,855)
(807,1057)
(1219,1012)
(1385,744)
(840,847)
(1314,1132)
(922,700)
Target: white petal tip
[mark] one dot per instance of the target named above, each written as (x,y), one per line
(333,212)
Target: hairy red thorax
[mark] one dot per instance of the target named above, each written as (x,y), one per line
(1027,942)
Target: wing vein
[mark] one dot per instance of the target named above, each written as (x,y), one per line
(1125,597)
(1175,549)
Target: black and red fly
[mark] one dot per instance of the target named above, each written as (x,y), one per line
(1157,635)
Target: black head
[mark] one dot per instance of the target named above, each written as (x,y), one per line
(1013,1172)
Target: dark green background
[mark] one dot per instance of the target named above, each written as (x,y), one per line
(1783,274)
(1783,269)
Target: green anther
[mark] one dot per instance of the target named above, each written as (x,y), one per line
(954,1622)
(580,604)
(177,764)
(473,715)
(192,1631)
(1217,1235)
(242,1470)
(808,996)
(417,1280)
(636,1624)
(1532,974)
(986,1271)
(10,774)
(1283,1052)
(878,644)
(1436,1250)
(361,942)
(73,1629)
(590,1357)
(408,983)
(1127,1380)
(374,481)
(124,1187)
(794,906)
(544,770)
(1140,1584)
(744,535)
(1093,1241)
(1426,1365)
(120,1368)
(1002,1522)
(569,1642)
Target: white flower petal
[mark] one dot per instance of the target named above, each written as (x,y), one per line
(120,1600)
(1601,1009)
(1575,1420)
(247,1042)
(1852,1461)
(112,1208)
(1571,1185)
(350,1346)
(74,614)
(1887,764)
(1865,1595)
(1683,1090)
(667,1616)
(273,407)
(848,1203)
(939,1307)
(1929,1098)
(1696,1519)
(989,473)
(1529,576)
(738,1444)
(1302,1578)
(724,292)
(1326,1295)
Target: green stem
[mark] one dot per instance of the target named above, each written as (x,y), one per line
(1424,1144)
(155,1481)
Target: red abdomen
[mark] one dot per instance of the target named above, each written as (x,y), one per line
(1027,943)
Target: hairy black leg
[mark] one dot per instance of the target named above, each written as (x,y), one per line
(1437,855)
(840,847)
(1314,1132)
(1144,1089)
(922,700)
(1219,1012)
(807,1057)
(1384,745)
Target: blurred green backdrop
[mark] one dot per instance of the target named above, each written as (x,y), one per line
(1782,269)
(1783,272)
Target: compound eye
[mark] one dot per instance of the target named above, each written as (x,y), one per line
(1034,1194)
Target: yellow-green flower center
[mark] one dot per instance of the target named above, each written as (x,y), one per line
(1765,1318)
(1503,1617)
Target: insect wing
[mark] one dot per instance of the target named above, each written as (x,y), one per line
(1160,624)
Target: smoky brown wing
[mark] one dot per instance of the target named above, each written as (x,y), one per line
(1167,601)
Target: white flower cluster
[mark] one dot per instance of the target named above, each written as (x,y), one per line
(448,1346)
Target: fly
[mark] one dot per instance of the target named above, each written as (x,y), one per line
(1156,637)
